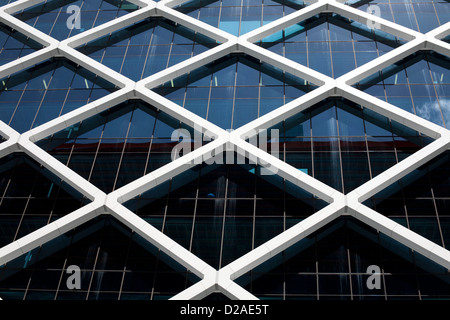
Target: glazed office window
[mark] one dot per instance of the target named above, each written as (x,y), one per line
(5,2)
(234,90)
(331,264)
(221,212)
(51,16)
(31,197)
(115,263)
(239,16)
(419,84)
(419,15)
(147,47)
(420,201)
(14,45)
(48,90)
(118,145)
(343,144)
(330,44)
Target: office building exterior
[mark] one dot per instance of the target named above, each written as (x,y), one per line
(209,149)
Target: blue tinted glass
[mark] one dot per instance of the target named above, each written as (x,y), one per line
(417,84)
(329,44)
(221,200)
(132,138)
(49,197)
(323,264)
(43,93)
(239,18)
(14,45)
(234,90)
(61,20)
(147,47)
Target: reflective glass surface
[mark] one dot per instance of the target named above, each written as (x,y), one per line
(147,47)
(236,16)
(419,15)
(234,90)
(419,84)
(343,144)
(118,145)
(333,262)
(31,197)
(14,45)
(330,44)
(114,264)
(60,19)
(420,201)
(46,91)
(221,212)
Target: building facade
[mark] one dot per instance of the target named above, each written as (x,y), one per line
(209,149)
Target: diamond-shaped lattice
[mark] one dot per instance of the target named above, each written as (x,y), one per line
(122,45)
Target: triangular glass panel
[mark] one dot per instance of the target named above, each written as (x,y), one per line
(348,260)
(113,263)
(46,91)
(237,17)
(221,212)
(419,84)
(330,44)
(121,144)
(420,200)
(64,19)
(146,47)
(14,45)
(31,197)
(418,15)
(343,144)
(234,90)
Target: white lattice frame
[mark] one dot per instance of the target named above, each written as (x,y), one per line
(213,280)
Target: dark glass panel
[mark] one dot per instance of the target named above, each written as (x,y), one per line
(222,212)
(350,144)
(146,47)
(104,266)
(30,197)
(332,263)
(239,18)
(417,195)
(14,45)
(419,15)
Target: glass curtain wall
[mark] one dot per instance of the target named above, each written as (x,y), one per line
(221,212)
